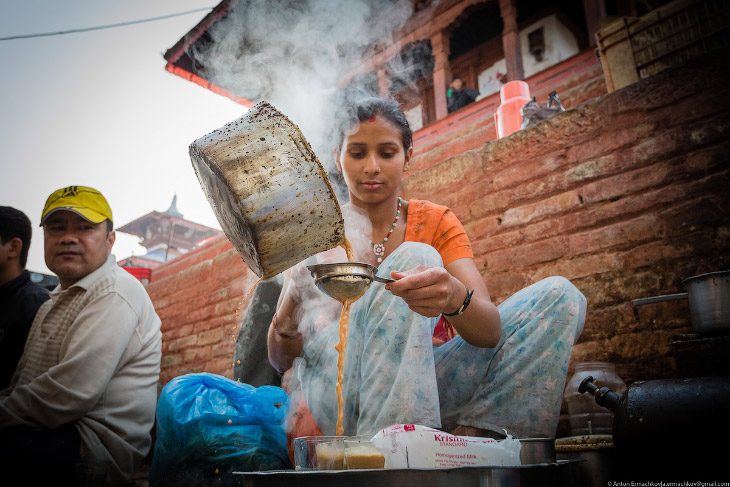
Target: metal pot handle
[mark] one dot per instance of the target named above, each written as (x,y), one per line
(658,299)
(635,303)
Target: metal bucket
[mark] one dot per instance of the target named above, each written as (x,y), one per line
(537,450)
(709,301)
(268,190)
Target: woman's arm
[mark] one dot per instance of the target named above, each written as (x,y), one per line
(284,342)
(430,291)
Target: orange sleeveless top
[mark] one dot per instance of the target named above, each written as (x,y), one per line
(438,227)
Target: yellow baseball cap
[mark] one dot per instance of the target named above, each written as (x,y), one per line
(83,200)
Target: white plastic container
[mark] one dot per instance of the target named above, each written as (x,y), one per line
(587,417)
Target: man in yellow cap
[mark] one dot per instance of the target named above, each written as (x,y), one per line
(82,401)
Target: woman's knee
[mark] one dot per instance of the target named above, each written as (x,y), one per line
(560,291)
(559,286)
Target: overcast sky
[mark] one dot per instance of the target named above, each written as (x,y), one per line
(99,109)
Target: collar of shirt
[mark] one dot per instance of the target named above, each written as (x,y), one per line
(88,280)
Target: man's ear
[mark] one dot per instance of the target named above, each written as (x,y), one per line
(16,248)
(111,238)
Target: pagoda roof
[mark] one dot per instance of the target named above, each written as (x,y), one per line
(139,225)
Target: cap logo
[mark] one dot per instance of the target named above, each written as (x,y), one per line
(70,191)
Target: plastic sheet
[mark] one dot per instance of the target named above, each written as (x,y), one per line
(209,426)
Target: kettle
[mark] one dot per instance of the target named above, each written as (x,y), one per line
(668,423)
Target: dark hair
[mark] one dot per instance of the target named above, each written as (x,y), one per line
(388,108)
(14,224)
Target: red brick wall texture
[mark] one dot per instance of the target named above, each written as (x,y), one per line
(199,298)
(625,194)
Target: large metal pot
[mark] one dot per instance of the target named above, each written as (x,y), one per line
(709,301)
(268,190)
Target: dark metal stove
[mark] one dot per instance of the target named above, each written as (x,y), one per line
(668,429)
(699,355)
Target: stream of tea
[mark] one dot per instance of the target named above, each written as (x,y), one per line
(342,345)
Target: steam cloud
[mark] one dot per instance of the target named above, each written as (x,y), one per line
(295,54)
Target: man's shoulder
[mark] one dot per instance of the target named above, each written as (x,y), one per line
(33,295)
(120,290)
(24,303)
(121,283)
(127,285)
(30,288)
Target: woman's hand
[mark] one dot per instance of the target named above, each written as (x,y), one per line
(428,291)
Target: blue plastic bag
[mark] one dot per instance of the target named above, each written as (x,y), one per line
(209,426)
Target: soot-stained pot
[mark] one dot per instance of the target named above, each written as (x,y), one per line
(268,190)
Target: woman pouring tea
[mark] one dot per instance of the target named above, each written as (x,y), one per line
(505,366)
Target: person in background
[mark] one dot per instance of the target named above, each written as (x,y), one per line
(81,405)
(19,296)
(457,96)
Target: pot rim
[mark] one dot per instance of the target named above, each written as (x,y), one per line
(706,275)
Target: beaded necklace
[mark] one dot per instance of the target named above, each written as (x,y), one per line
(379,248)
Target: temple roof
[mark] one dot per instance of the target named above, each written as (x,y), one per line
(138,225)
(172,210)
(156,227)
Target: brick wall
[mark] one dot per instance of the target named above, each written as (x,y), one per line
(199,297)
(625,195)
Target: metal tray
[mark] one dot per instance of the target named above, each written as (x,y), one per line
(562,473)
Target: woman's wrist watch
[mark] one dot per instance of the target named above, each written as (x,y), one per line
(463,306)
